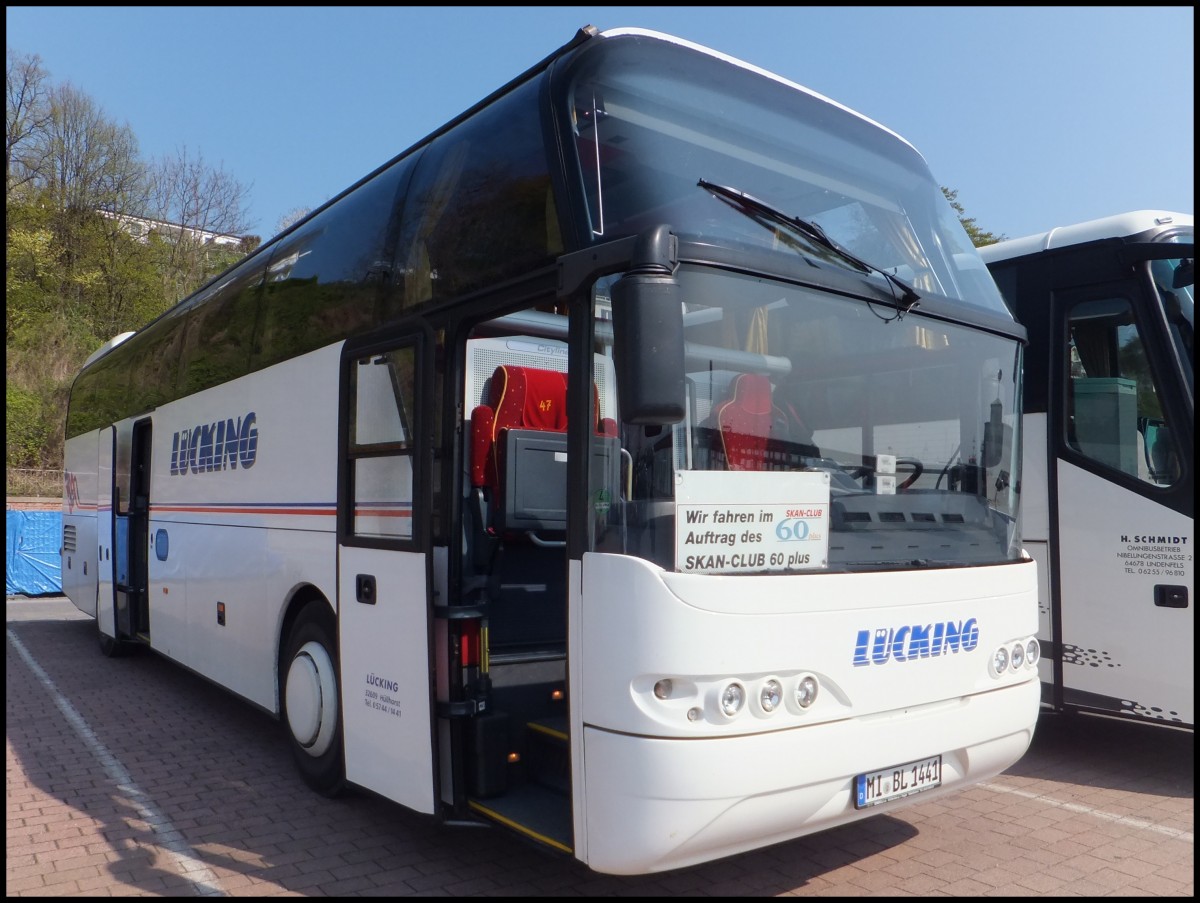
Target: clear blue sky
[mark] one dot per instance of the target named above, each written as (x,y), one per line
(1037,116)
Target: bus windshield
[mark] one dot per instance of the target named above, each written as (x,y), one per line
(911,420)
(652,121)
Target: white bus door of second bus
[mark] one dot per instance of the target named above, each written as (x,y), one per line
(383,586)
(1124,558)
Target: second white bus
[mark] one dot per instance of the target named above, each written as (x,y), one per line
(1109,449)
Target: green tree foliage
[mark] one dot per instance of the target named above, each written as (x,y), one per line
(26,428)
(97,241)
(978,236)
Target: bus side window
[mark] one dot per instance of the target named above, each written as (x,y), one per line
(490,168)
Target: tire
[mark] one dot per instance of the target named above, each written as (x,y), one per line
(309,700)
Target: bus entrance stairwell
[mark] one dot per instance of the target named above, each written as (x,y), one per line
(517,745)
(518,477)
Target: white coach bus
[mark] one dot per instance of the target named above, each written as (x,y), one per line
(1109,448)
(631,463)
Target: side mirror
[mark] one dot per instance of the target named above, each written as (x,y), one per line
(1185,273)
(648,333)
(993,436)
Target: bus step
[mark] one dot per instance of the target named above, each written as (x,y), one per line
(549,753)
(532,811)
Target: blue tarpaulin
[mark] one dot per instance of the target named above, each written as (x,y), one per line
(34,567)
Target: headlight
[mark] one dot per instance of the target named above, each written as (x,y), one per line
(1000,660)
(733,697)
(770,695)
(1018,655)
(806,691)
(1033,651)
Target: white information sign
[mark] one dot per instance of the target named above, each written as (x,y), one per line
(748,521)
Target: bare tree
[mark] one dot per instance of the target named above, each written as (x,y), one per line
(188,191)
(93,162)
(198,202)
(27,119)
(292,217)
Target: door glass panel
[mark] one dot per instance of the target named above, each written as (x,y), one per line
(380,450)
(1114,412)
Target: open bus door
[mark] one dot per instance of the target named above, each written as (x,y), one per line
(384,570)
(106,600)
(123,471)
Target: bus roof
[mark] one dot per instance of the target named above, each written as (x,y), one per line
(1122,225)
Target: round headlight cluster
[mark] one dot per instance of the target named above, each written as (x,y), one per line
(722,700)
(1015,656)
(767,696)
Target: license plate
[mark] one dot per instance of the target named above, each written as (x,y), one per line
(877,787)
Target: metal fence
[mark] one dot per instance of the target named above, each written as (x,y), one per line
(39,484)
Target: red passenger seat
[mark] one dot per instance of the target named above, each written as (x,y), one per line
(744,423)
(518,398)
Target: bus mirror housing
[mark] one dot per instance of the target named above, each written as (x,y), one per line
(993,436)
(648,333)
(1185,273)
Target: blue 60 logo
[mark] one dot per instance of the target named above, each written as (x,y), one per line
(791,530)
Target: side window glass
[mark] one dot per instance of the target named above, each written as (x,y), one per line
(215,343)
(381,452)
(491,168)
(1114,412)
(325,280)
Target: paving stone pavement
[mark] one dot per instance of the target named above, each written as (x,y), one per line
(133,777)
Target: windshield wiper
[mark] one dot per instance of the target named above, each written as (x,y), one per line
(812,232)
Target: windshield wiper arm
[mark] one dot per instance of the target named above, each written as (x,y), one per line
(812,232)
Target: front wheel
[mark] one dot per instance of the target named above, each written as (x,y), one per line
(309,700)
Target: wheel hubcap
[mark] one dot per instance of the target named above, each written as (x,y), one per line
(312,698)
